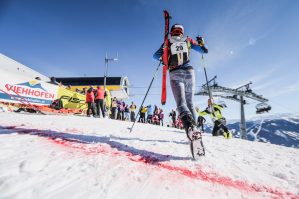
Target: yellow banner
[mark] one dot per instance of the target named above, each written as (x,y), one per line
(70,99)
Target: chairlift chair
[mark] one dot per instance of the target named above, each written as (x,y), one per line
(262,108)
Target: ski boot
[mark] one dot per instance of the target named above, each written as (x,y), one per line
(194,134)
(227,135)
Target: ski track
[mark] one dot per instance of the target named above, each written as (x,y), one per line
(145,157)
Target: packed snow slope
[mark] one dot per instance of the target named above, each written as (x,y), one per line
(50,156)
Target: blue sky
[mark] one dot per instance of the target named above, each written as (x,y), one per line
(248,40)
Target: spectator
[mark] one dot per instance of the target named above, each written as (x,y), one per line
(149,113)
(118,110)
(57,104)
(90,101)
(143,110)
(78,90)
(161,117)
(83,91)
(99,101)
(113,108)
(173,117)
(127,112)
(132,112)
(122,110)
(156,109)
(155,119)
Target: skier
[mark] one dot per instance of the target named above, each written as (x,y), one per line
(219,121)
(182,77)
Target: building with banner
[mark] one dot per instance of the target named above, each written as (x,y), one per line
(117,86)
(20,84)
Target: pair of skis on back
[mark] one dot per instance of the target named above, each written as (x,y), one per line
(193,133)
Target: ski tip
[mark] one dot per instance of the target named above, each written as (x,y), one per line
(163,103)
(166,14)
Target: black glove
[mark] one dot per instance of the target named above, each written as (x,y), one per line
(200,41)
(205,50)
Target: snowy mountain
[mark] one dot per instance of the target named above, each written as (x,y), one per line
(281,129)
(51,156)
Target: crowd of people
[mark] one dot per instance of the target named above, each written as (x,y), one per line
(95,101)
(151,115)
(119,110)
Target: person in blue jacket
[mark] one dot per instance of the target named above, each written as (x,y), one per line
(181,73)
(149,114)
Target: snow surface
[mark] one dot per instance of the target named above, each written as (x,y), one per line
(50,156)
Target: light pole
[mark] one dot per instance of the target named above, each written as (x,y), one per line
(106,68)
(105,75)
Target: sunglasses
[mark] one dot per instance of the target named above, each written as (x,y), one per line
(176,32)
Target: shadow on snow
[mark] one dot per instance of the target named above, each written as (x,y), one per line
(147,156)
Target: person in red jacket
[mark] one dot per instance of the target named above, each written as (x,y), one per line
(90,102)
(99,101)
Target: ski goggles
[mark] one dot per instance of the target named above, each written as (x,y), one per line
(176,32)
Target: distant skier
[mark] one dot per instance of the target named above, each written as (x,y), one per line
(182,77)
(219,121)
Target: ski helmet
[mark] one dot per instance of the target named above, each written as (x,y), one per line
(176,30)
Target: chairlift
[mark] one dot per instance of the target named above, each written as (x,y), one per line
(249,90)
(262,108)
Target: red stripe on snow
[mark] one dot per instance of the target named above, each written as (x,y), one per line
(208,177)
(90,149)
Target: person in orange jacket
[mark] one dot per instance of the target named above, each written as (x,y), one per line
(90,101)
(99,101)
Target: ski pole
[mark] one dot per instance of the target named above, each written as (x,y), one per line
(206,76)
(146,95)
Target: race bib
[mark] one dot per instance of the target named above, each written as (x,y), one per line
(179,47)
(178,50)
